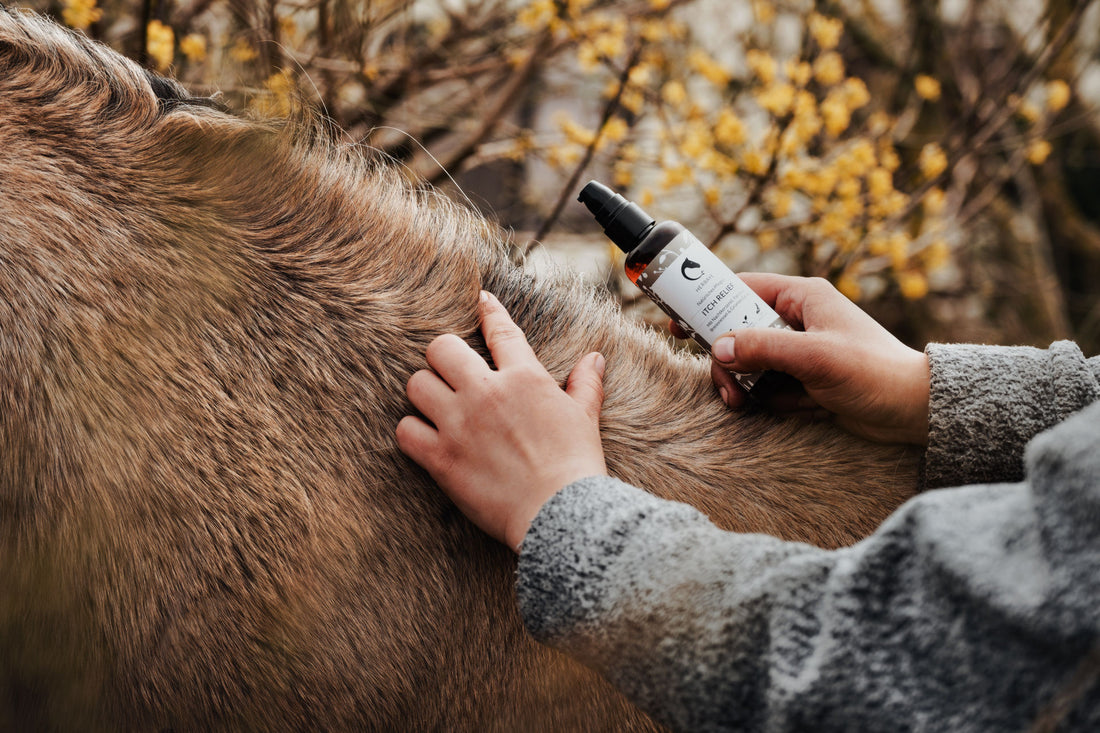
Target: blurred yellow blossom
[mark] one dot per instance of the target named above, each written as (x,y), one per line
(932,161)
(729,130)
(243,51)
(829,68)
(798,72)
(836,114)
(849,286)
(761,64)
(937,255)
(1038,152)
(927,87)
(913,285)
(80,14)
(767,239)
(537,14)
(193,46)
(856,93)
(776,98)
(710,69)
(674,93)
(826,31)
(160,44)
(676,175)
(1058,94)
(934,201)
(615,129)
(711,195)
(755,162)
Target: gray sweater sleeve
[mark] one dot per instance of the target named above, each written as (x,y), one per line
(987,402)
(969,609)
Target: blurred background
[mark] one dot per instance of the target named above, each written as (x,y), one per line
(938,160)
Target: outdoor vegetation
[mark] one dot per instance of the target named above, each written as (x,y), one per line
(938,160)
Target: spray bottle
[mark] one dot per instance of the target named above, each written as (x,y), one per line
(682,276)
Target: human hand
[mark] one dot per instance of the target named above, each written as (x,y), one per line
(848,364)
(501,443)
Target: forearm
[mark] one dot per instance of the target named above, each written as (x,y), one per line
(942,616)
(987,402)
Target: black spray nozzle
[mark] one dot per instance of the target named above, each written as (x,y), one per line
(623,221)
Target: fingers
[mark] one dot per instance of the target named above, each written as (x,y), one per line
(455,361)
(504,338)
(430,395)
(790,296)
(762,349)
(586,384)
(417,439)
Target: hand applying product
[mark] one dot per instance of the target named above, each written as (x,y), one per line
(484,445)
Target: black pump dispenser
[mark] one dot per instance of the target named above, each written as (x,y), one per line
(623,221)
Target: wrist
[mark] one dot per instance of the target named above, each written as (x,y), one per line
(918,386)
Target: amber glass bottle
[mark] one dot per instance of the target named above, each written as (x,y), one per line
(684,278)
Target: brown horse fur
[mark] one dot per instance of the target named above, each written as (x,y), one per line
(206,326)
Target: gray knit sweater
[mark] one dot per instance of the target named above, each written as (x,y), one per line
(972,609)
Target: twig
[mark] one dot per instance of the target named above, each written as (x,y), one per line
(568,190)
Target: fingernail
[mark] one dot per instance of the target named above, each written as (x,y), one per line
(725,395)
(600,364)
(483,297)
(723,349)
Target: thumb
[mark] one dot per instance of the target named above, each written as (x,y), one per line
(778,349)
(585,384)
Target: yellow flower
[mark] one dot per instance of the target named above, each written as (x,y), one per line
(826,31)
(913,285)
(937,255)
(676,175)
(242,51)
(587,56)
(897,245)
(880,183)
(696,140)
(615,129)
(829,68)
(645,198)
(798,72)
(848,188)
(855,93)
(674,93)
(714,72)
(1038,152)
(80,14)
(849,286)
(1058,94)
(767,239)
(537,14)
(755,162)
(776,98)
(932,161)
(160,44)
(729,130)
(836,114)
(764,11)
(1026,109)
(711,195)
(934,201)
(193,46)
(780,201)
(762,65)
(927,87)
(623,176)
(574,132)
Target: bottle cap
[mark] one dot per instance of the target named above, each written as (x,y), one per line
(623,221)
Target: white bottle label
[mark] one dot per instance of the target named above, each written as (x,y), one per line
(703,296)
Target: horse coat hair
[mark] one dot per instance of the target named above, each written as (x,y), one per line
(206,326)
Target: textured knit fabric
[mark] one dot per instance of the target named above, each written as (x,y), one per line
(987,402)
(970,609)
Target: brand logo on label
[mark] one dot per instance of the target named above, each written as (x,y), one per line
(695,267)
